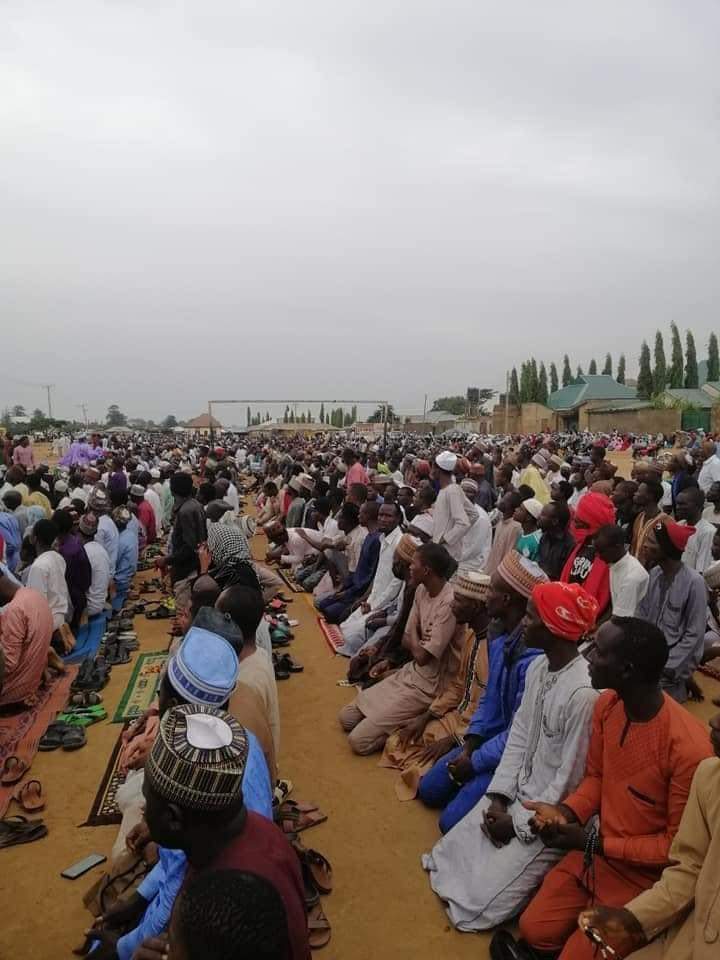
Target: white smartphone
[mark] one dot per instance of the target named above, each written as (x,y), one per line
(82,866)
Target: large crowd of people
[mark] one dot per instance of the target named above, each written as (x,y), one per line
(522,625)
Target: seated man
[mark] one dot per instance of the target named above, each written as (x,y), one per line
(677,918)
(26,628)
(644,750)
(203,673)
(432,636)
(228,913)
(676,602)
(544,758)
(337,606)
(385,586)
(460,778)
(47,572)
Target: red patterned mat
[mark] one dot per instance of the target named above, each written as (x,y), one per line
(332,634)
(711,668)
(22,730)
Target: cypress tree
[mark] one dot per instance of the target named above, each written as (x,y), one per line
(645,377)
(607,369)
(621,369)
(713,371)
(692,379)
(592,369)
(533,387)
(675,377)
(554,383)
(542,391)
(567,377)
(514,390)
(660,371)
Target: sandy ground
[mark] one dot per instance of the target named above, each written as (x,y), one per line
(382,905)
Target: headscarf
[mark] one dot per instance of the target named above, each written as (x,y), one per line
(566,609)
(596,510)
(231,560)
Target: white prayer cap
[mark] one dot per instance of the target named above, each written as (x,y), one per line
(423,522)
(533,507)
(446,460)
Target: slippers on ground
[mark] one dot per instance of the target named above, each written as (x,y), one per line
(14,830)
(162,612)
(88,698)
(286,662)
(74,738)
(283,789)
(14,769)
(319,930)
(30,796)
(317,865)
(65,735)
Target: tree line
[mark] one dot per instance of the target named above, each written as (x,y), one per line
(536,383)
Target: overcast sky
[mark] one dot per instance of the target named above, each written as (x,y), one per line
(336,198)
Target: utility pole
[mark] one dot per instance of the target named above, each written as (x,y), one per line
(83,407)
(49,387)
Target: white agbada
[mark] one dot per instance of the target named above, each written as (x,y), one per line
(451,519)
(47,576)
(477,544)
(544,760)
(154,500)
(385,589)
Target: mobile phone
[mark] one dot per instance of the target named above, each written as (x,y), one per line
(82,866)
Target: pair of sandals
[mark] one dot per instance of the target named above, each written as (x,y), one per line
(83,716)
(317,878)
(30,796)
(294,816)
(94,674)
(66,735)
(284,665)
(15,830)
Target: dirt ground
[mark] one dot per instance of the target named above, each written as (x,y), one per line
(382,905)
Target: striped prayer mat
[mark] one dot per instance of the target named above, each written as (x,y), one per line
(332,634)
(142,686)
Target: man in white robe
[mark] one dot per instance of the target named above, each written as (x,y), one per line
(491,863)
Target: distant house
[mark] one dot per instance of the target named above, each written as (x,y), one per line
(203,423)
(592,391)
(434,421)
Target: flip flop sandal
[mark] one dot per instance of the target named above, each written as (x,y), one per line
(310,890)
(14,830)
(74,738)
(53,737)
(279,642)
(30,796)
(89,698)
(319,867)
(299,806)
(283,789)
(281,674)
(13,771)
(277,606)
(319,930)
(163,612)
(303,821)
(286,662)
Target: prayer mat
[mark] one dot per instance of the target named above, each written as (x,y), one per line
(105,809)
(711,668)
(22,728)
(286,578)
(142,687)
(332,634)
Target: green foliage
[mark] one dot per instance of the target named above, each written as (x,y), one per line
(592,369)
(620,377)
(713,370)
(607,369)
(675,375)
(645,377)
(514,390)
(660,371)
(578,375)
(554,382)
(379,415)
(567,377)
(692,379)
(542,390)
(115,417)
(169,423)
